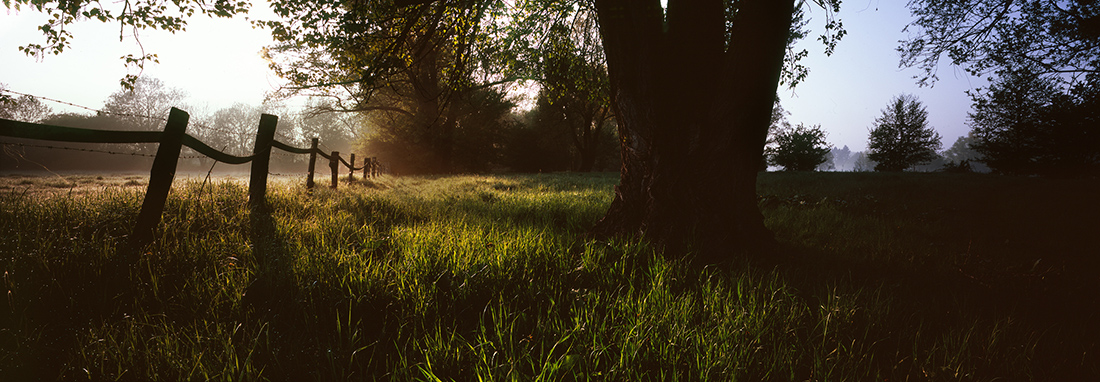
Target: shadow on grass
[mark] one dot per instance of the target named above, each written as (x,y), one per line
(1050,327)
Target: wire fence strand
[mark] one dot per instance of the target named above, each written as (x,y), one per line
(77,149)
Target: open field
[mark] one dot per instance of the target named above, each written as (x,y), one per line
(879,277)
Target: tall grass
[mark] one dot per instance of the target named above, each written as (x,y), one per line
(881,277)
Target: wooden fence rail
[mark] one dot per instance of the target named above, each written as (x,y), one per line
(170,142)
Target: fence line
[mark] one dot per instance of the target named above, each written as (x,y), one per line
(171,141)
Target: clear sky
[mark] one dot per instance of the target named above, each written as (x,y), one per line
(217,62)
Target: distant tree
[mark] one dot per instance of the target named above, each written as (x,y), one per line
(901,137)
(570,68)
(961,150)
(235,128)
(478,116)
(842,158)
(861,163)
(801,148)
(538,142)
(935,164)
(1028,124)
(323,120)
(23,108)
(577,89)
(961,156)
(828,164)
(144,106)
(404,65)
(94,159)
(483,115)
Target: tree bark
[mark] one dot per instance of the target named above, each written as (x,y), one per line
(693,110)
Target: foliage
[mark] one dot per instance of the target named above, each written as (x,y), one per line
(538,145)
(412,71)
(576,93)
(901,137)
(543,141)
(1052,37)
(961,156)
(890,276)
(480,117)
(1027,124)
(321,119)
(801,148)
(357,48)
(962,150)
(483,117)
(133,14)
(793,71)
(777,123)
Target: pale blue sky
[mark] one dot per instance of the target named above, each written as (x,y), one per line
(217,62)
(848,90)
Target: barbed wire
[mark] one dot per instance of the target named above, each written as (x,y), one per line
(290,175)
(98,111)
(77,149)
(196,123)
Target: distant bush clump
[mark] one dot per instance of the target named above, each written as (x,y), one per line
(799,148)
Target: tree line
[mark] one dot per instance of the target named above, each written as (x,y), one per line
(497,136)
(1023,124)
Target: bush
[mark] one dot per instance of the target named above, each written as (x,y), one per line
(800,148)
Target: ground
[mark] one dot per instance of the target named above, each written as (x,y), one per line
(879,276)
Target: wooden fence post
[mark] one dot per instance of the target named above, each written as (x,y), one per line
(312,162)
(351,168)
(261,160)
(366,168)
(160,177)
(334,164)
(374,167)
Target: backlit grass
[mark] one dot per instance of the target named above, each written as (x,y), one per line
(879,277)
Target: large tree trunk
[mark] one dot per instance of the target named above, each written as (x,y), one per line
(693,112)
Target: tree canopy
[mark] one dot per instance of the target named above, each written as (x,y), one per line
(901,137)
(800,148)
(1043,58)
(1052,36)
(1029,124)
(23,108)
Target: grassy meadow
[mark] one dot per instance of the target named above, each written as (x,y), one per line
(884,277)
